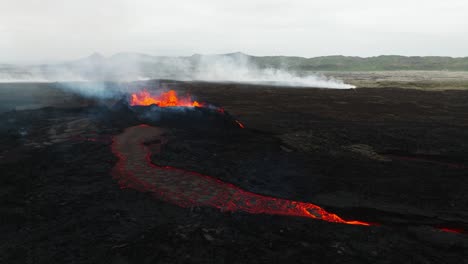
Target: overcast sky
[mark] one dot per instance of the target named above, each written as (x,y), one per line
(51,30)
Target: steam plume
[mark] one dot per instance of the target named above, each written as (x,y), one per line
(236,67)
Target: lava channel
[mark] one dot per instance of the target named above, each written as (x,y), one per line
(188,189)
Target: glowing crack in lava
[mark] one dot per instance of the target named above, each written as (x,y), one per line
(452,230)
(165,99)
(186,189)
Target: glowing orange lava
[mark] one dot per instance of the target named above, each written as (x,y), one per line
(452,230)
(188,189)
(165,99)
(240,124)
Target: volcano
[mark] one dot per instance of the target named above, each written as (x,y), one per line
(168,109)
(136,170)
(184,188)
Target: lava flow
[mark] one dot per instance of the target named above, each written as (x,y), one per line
(165,99)
(187,189)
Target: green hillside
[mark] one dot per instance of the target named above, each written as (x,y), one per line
(380,63)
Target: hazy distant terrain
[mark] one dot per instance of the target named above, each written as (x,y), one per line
(379,63)
(424,80)
(325,63)
(323,72)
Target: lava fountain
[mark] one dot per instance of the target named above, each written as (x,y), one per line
(165,99)
(169,108)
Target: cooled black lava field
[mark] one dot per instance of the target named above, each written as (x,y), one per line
(394,158)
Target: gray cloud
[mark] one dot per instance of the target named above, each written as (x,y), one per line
(52,30)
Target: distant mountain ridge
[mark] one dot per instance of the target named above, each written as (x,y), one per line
(219,67)
(293,63)
(379,63)
(330,63)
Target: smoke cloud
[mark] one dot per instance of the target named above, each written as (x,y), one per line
(126,67)
(239,68)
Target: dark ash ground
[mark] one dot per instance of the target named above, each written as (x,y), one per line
(392,156)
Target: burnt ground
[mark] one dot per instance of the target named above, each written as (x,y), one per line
(392,156)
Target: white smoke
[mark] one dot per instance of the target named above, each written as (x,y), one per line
(126,67)
(239,68)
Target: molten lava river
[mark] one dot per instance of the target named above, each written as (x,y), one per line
(184,188)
